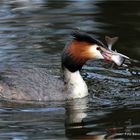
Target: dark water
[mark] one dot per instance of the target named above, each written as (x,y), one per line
(33,34)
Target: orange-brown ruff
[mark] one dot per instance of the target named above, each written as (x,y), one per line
(80,51)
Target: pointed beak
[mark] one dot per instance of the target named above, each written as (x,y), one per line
(106,53)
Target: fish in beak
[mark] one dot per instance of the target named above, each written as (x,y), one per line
(118,58)
(100,51)
(113,56)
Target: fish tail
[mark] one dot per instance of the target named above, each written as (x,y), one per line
(111,40)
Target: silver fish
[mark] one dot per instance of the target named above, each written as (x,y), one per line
(117,58)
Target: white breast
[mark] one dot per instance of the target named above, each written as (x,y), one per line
(75,85)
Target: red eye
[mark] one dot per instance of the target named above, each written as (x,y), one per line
(98,48)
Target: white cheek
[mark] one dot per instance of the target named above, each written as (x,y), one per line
(96,53)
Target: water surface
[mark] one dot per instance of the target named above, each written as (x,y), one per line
(33,34)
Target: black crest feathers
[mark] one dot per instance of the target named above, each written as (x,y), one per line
(81,36)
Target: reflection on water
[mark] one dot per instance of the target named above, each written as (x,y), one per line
(78,119)
(33,34)
(101,122)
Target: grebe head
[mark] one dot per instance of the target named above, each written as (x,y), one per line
(81,49)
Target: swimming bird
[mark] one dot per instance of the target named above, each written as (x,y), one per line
(36,84)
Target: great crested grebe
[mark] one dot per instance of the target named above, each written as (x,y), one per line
(36,84)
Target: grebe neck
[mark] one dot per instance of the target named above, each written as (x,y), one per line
(75,86)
